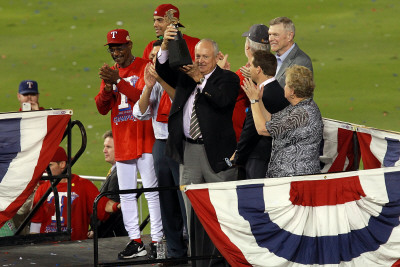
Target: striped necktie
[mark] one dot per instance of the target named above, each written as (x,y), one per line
(194,130)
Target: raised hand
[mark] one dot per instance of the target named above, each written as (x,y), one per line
(251,90)
(149,78)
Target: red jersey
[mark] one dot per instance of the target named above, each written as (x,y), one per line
(83,194)
(190,41)
(132,137)
(239,112)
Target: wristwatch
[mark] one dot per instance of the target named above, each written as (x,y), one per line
(252,101)
(201,80)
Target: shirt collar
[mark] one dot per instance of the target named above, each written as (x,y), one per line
(284,55)
(264,83)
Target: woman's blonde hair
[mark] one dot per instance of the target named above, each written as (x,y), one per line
(300,79)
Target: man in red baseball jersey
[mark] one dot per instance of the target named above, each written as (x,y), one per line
(120,88)
(161,22)
(83,194)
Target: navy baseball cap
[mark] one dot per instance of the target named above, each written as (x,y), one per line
(28,87)
(258,33)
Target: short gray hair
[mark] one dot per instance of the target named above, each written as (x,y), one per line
(287,24)
(254,46)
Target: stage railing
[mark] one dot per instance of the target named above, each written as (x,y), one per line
(135,262)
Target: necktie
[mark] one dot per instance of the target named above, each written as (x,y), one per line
(109,171)
(194,130)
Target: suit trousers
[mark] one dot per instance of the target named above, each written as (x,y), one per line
(256,168)
(195,170)
(173,213)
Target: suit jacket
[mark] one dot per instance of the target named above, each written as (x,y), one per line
(214,108)
(295,57)
(252,145)
(111,184)
(114,225)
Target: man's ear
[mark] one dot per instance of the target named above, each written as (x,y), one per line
(290,36)
(259,70)
(63,164)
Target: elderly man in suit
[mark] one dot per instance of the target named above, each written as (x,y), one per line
(201,135)
(281,38)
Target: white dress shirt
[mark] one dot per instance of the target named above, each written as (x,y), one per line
(188,108)
(160,128)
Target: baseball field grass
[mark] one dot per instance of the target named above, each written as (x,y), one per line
(353,46)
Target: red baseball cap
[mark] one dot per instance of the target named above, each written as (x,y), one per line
(161,11)
(118,36)
(60,155)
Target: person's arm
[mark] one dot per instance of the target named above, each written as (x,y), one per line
(223,91)
(111,76)
(150,81)
(169,89)
(112,206)
(105,99)
(260,114)
(162,68)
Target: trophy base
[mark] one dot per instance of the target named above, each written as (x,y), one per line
(178,53)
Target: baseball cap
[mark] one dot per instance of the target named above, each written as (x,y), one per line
(28,87)
(258,33)
(161,11)
(60,155)
(118,36)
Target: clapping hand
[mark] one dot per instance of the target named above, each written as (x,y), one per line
(245,70)
(223,61)
(149,77)
(251,90)
(192,70)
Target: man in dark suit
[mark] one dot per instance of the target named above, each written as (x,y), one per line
(281,37)
(254,150)
(114,226)
(203,151)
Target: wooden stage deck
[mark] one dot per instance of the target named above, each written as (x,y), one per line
(67,253)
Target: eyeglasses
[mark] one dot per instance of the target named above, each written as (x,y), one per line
(119,49)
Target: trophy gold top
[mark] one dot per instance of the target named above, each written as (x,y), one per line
(170,15)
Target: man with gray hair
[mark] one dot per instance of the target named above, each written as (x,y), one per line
(281,37)
(246,153)
(201,136)
(256,39)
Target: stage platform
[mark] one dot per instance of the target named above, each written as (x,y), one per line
(68,253)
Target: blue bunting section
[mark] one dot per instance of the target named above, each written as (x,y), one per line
(340,219)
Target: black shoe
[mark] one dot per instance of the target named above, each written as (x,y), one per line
(153,251)
(133,249)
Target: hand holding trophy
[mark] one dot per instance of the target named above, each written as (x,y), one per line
(178,51)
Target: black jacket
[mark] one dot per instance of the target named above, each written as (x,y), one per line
(214,108)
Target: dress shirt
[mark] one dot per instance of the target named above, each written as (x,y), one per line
(188,108)
(162,56)
(160,128)
(266,82)
(282,58)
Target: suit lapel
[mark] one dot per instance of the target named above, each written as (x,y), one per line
(287,62)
